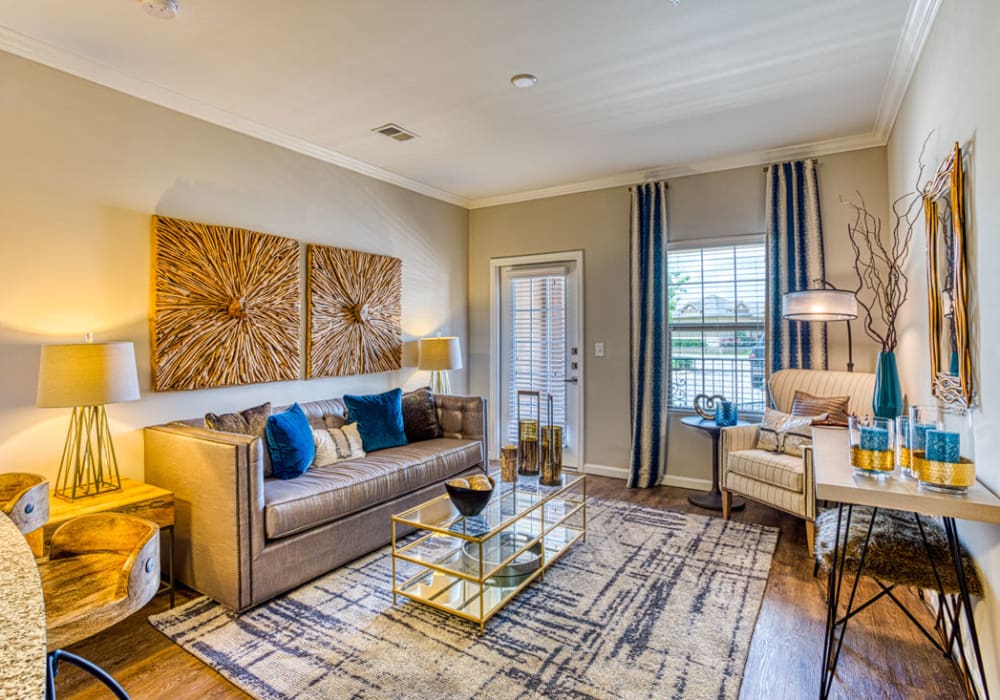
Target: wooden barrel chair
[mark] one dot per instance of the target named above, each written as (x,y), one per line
(25,500)
(101,569)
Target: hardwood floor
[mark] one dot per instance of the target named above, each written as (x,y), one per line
(883,656)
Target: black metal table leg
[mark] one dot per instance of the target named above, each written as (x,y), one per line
(963,587)
(52,670)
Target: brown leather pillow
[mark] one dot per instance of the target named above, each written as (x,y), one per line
(835,407)
(420,420)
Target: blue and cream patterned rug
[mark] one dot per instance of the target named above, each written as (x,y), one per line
(655,604)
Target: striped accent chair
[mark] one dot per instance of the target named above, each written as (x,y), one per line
(777,479)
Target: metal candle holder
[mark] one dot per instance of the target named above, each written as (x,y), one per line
(527,435)
(552,438)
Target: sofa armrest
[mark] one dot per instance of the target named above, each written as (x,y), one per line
(218,483)
(463,417)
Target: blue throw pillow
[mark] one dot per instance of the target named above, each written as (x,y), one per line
(290,442)
(379,418)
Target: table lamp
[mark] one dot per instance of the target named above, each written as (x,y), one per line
(85,377)
(824,304)
(440,355)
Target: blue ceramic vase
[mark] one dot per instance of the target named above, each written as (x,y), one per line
(888,399)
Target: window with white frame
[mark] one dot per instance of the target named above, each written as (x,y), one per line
(716,292)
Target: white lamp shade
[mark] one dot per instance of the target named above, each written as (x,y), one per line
(819,305)
(439,354)
(87,374)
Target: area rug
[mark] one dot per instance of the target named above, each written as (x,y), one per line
(655,604)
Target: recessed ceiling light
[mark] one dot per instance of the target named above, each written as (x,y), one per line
(523,80)
(161,9)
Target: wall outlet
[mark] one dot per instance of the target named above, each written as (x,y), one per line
(598,349)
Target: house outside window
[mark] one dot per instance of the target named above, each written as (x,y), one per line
(717,291)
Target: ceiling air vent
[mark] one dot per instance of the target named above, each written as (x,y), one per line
(394,131)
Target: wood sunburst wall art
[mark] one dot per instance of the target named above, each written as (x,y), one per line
(226,306)
(353,312)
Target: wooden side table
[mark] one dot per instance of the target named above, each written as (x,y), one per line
(713,499)
(135,498)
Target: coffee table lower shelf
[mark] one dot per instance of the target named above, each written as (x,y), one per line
(469,598)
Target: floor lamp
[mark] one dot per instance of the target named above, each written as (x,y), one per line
(824,304)
(438,355)
(86,377)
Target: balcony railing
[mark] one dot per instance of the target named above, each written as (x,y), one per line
(739,379)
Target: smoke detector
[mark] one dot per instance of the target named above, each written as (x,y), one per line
(161,9)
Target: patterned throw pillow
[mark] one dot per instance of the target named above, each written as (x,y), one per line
(252,421)
(337,445)
(797,433)
(781,432)
(770,427)
(835,407)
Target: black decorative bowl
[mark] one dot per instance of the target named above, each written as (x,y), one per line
(469,502)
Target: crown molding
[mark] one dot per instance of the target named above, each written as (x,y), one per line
(742,160)
(916,29)
(96,72)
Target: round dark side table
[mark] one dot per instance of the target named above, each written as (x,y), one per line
(713,499)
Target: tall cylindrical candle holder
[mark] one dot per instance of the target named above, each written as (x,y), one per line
(872,452)
(528,453)
(947,462)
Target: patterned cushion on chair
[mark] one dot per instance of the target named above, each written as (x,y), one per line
(774,468)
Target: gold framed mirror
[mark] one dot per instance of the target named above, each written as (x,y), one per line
(947,290)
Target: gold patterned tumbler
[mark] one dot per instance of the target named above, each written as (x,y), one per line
(508,463)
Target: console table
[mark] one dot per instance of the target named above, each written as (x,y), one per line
(836,482)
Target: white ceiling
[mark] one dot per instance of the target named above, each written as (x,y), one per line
(627,89)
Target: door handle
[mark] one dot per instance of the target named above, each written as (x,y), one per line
(571,380)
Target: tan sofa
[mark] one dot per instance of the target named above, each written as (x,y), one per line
(242,538)
(777,479)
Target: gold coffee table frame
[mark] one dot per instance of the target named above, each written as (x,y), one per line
(444,558)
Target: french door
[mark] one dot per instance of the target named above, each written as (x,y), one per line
(536,334)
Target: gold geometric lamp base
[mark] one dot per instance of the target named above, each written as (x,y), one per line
(89,465)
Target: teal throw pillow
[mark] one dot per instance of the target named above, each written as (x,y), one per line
(290,442)
(379,418)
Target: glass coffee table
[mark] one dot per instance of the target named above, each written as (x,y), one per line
(472,566)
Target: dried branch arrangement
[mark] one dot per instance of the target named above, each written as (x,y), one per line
(355,301)
(226,306)
(880,258)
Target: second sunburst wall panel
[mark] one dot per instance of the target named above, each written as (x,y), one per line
(354,312)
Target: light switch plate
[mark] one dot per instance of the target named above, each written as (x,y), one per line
(598,349)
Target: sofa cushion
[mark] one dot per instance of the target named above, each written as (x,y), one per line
(332,492)
(420,419)
(379,418)
(775,468)
(290,440)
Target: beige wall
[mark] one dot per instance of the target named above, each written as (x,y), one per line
(955,93)
(85,167)
(713,204)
